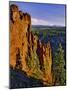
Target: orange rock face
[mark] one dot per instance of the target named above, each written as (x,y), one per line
(45,58)
(23,43)
(18,35)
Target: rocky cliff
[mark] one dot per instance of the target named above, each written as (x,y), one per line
(27,52)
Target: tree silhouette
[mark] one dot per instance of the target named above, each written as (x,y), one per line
(58,66)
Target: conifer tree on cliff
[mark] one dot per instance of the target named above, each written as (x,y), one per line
(58,66)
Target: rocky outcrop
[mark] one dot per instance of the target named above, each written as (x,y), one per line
(25,47)
(19,27)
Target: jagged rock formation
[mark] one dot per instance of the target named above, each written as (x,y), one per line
(18,35)
(27,53)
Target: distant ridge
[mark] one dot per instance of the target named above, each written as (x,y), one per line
(49,27)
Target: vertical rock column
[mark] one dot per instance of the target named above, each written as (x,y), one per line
(14,37)
(25,21)
(48,63)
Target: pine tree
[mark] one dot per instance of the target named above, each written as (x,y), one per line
(58,66)
(33,63)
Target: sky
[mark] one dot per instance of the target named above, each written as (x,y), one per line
(43,14)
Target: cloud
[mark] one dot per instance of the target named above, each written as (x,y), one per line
(36,21)
(57,22)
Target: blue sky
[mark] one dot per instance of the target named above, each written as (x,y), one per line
(43,14)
